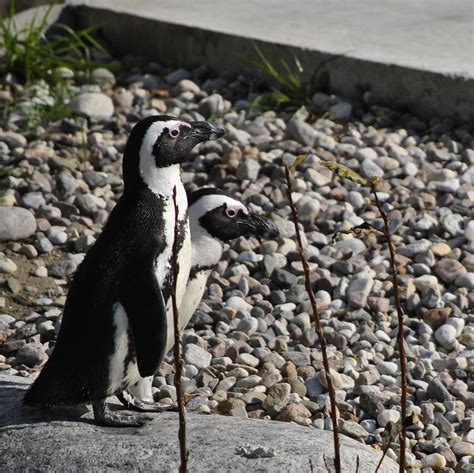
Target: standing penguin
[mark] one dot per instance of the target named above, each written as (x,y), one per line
(214,219)
(118,311)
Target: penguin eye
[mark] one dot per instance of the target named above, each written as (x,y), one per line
(174,132)
(231,213)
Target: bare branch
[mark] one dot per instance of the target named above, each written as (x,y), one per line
(184,452)
(400,337)
(317,323)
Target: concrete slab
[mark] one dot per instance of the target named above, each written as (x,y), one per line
(417,56)
(430,35)
(410,55)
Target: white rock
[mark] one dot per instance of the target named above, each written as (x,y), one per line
(7,266)
(197,356)
(435,461)
(388,415)
(92,105)
(446,336)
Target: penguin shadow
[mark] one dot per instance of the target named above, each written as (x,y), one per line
(15,415)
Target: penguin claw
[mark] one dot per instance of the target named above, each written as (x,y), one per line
(133,403)
(105,417)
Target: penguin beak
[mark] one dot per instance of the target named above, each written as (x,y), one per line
(260,226)
(204,131)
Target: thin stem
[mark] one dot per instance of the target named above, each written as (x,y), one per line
(184,452)
(383,456)
(400,337)
(317,323)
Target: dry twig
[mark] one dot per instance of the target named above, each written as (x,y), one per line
(184,452)
(319,331)
(400,337)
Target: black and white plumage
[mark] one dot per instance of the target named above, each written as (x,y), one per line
(115,323)
(215,218)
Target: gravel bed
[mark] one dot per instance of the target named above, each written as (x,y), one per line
(251,349)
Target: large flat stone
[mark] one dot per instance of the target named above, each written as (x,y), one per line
(62,439)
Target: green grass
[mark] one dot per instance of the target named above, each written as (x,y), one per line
(37,55)
(31,54)
(289,89)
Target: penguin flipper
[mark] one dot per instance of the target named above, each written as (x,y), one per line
(143,302)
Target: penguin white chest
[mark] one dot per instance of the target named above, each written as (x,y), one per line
(163,264)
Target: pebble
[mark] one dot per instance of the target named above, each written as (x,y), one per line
(388,415)
(437,391)
(248,169)
(277,398)
(359,290)
(92,105)
(196,356)
(16,224)
(7,266)
(449,269)
(31,355)
(446,336)
(434,460)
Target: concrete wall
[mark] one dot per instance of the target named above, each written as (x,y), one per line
(423,91)
(420,91)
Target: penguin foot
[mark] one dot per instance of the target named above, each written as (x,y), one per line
(104,416)
(134,404)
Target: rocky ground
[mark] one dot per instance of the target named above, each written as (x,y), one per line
(251,349)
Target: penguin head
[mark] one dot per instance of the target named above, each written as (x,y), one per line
(225,218)
(161,141)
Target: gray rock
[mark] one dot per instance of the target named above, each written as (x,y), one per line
(359,290)
(92,105)
(283,278)
(355,199)
(317,178)
(437,390)
(57,235)
(80,445)
(388,415)
(248,360)
(453,224)
(434,461)
(465,280)
(175,76)
(277,398)
(324,141)
(6,319)
(369,169)
(7,266)
(238,303)
(449,269)
(301,131)
(31,355)
(388,367)
(211,105)
(12,139)
(102,76)
(446,336)
(341,111)
(196,356)
(354,244)
(354,430)
(186,85)
(248,169)
(61,268)
(33,200)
